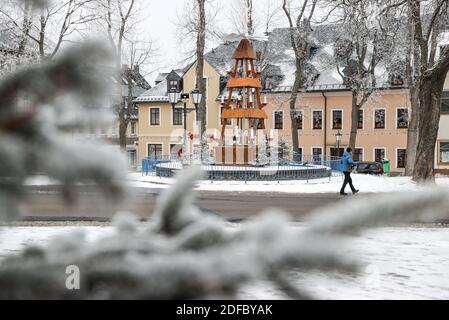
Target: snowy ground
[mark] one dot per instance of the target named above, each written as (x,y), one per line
(401,263)
(366,184)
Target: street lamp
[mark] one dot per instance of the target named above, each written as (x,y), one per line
(173,97)
(196,98)
(338,137)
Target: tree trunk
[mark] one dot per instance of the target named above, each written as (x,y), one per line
(354,121)
(412,133)
(249,17)
(123,126)
(430,91)
(42,36)
(293,97)
(26,27)
(200,45)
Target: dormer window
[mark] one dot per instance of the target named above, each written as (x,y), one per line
(174,84)
(174,81)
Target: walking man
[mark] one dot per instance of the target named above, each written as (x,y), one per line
(347,164)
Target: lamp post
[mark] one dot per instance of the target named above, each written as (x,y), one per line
(338,137)
(173,98)
(196,98)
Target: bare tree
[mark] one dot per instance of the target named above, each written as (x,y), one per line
(271,16)
(137,54)
(118,20)
(412,71)
(49,26)
(428,21)
(200,46)
(198,27)
(300,29)
(241,16)
(367,41)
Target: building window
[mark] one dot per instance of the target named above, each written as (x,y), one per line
(379,119)
(444,152)
(132,158)
(379,154)
(445,105)
(155,116)
(358,154)
(177,116)
(317,118)
(279,120)
(401,156)
(337,119)
(223,121)
(316,154)
(299,119)
(337,152)
(360,119)
(299,154)
(155,151)
(402,118)
(133,127)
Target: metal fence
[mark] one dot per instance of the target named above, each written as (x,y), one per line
(300,167)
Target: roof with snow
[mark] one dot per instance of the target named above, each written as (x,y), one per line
(277,60)
(158,93)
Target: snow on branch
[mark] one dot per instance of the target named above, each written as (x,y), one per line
(34,125)
(189,254)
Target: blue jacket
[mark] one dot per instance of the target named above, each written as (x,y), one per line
(346,162)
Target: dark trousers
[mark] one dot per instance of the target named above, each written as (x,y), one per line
(348,179)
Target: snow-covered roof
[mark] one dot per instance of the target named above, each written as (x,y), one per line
(278,61)
(157,93)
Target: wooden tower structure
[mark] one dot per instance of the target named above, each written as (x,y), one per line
(246,107)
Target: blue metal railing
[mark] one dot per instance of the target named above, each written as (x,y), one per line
(281,166)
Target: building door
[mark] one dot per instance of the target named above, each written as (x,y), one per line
(132,159)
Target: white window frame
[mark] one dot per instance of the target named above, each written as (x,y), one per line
(136,125)
(316,147)
(149,117)
(363,152)
(182,117)
(363,120)
(322,119)
(374,118)
(274,119)
(441,163)
(161,143)
(332,119)
(302,114)
(396,118)
(374,152)
(397,156)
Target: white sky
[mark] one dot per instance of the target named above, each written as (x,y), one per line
(158,22)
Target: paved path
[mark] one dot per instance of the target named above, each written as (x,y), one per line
(46,204)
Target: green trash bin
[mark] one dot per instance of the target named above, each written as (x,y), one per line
(386,165)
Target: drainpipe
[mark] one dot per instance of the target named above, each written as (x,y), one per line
(325,123)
